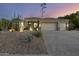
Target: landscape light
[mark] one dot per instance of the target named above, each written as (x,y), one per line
(22,24)
(21,27)
(31,29)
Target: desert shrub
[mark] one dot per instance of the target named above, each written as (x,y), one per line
(0,29)
(28,37)
(37,33)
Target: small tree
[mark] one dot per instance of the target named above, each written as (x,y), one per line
(0,26)
(15,23)
(73,18)
(4,24)
(43,6)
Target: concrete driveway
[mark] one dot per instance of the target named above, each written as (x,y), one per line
(62,43)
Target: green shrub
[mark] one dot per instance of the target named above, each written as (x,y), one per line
(37,33)
(29,37)
(0,29)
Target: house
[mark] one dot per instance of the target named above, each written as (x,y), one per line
(45,24)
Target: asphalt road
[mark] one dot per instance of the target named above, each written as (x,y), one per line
(62,43)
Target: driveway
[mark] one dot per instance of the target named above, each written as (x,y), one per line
(62,43)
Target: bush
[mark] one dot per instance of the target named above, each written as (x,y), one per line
(0,29)
(28,37)
(37,33)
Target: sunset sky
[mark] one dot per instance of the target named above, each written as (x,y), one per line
(53,10)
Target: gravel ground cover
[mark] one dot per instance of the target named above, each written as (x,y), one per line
(16,43)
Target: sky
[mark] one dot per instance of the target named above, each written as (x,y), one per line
(23,10)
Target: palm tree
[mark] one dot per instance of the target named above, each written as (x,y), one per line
(43,5)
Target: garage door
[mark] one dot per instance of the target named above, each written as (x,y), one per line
(48,26)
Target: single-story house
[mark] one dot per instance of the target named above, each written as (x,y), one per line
(45,24)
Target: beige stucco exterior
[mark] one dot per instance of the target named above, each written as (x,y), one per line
(49,23)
